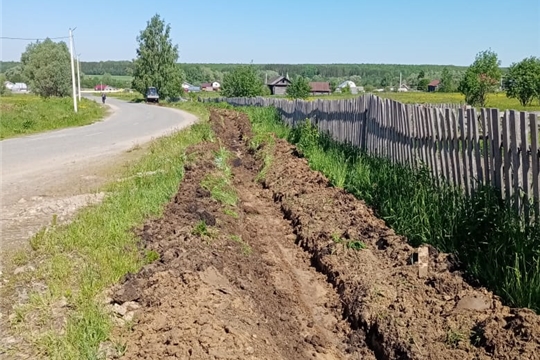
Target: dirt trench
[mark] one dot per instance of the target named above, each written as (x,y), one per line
(298,269)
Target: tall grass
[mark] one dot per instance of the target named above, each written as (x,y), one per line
(493,245)
(29,114)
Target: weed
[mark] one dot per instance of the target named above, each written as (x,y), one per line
(230,212)
(454,337)
(246,249)
(356,245)
(150,256)
(200,229)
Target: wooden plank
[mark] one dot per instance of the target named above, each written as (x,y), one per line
(429,139)
(497,150)
(515,160)
(451,151)
(486,145)
(423,137)
(409,130)
(435,138)
(533,128)
(463,152)
(507,171)
(470,151)
(476,148)
(525,164)
(441,145)
(443,131)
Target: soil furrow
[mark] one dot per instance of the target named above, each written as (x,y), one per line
(292,268)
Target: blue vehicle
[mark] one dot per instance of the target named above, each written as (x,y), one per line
(152,95)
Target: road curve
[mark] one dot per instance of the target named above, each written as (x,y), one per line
(25,158)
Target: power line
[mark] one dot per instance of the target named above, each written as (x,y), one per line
(31,39)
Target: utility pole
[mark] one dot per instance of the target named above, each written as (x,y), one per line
(72,69)
(79,75)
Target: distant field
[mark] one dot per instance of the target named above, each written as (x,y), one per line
(119,77)
(498,100)
(27,114)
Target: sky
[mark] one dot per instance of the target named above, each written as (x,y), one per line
(286,31)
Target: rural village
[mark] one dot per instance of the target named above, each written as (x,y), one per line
(160,209)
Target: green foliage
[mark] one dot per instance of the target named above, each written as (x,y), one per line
(243,81)
(522,81)
(299,88)
(423,84)
(333,85)
(481,78)
(156,62)
(447,82)
(3,89)
(346,90)
(476,229)
(47,68)
(15,74)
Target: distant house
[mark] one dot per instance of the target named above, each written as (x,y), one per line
(19,87)
(403,88)
(8,85)
(433,86)
(103,87)
(186,86)
(278,85)
(210,86)
(193,89)
(320,88)
(352,86)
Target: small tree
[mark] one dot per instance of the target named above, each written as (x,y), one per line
(447,82)
(423,84)
(522,81)
(243,81)
(46,67)
(3,88)
(299,88)
(156,62)
(481,78)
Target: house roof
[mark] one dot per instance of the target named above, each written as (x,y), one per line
(101,86)
(277,79)
(320,86)
(434,83)
(203,85)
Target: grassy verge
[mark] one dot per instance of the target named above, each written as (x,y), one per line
(77,262)
(29,114)
(494,245)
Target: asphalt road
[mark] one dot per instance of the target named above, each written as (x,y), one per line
(27,159)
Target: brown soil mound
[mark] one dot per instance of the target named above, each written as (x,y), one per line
(231,283)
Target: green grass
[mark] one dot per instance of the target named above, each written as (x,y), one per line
(495,246)
(24,114)
(80,260)
(219,183)
(497,100)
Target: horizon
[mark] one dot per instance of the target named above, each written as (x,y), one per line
(387,32)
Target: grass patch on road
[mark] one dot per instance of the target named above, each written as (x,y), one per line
(77,262)
(24,114)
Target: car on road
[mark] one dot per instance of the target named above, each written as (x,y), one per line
(152,95)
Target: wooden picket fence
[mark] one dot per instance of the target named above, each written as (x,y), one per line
(463,146)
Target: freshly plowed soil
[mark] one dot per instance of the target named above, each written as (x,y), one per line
(300,270)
